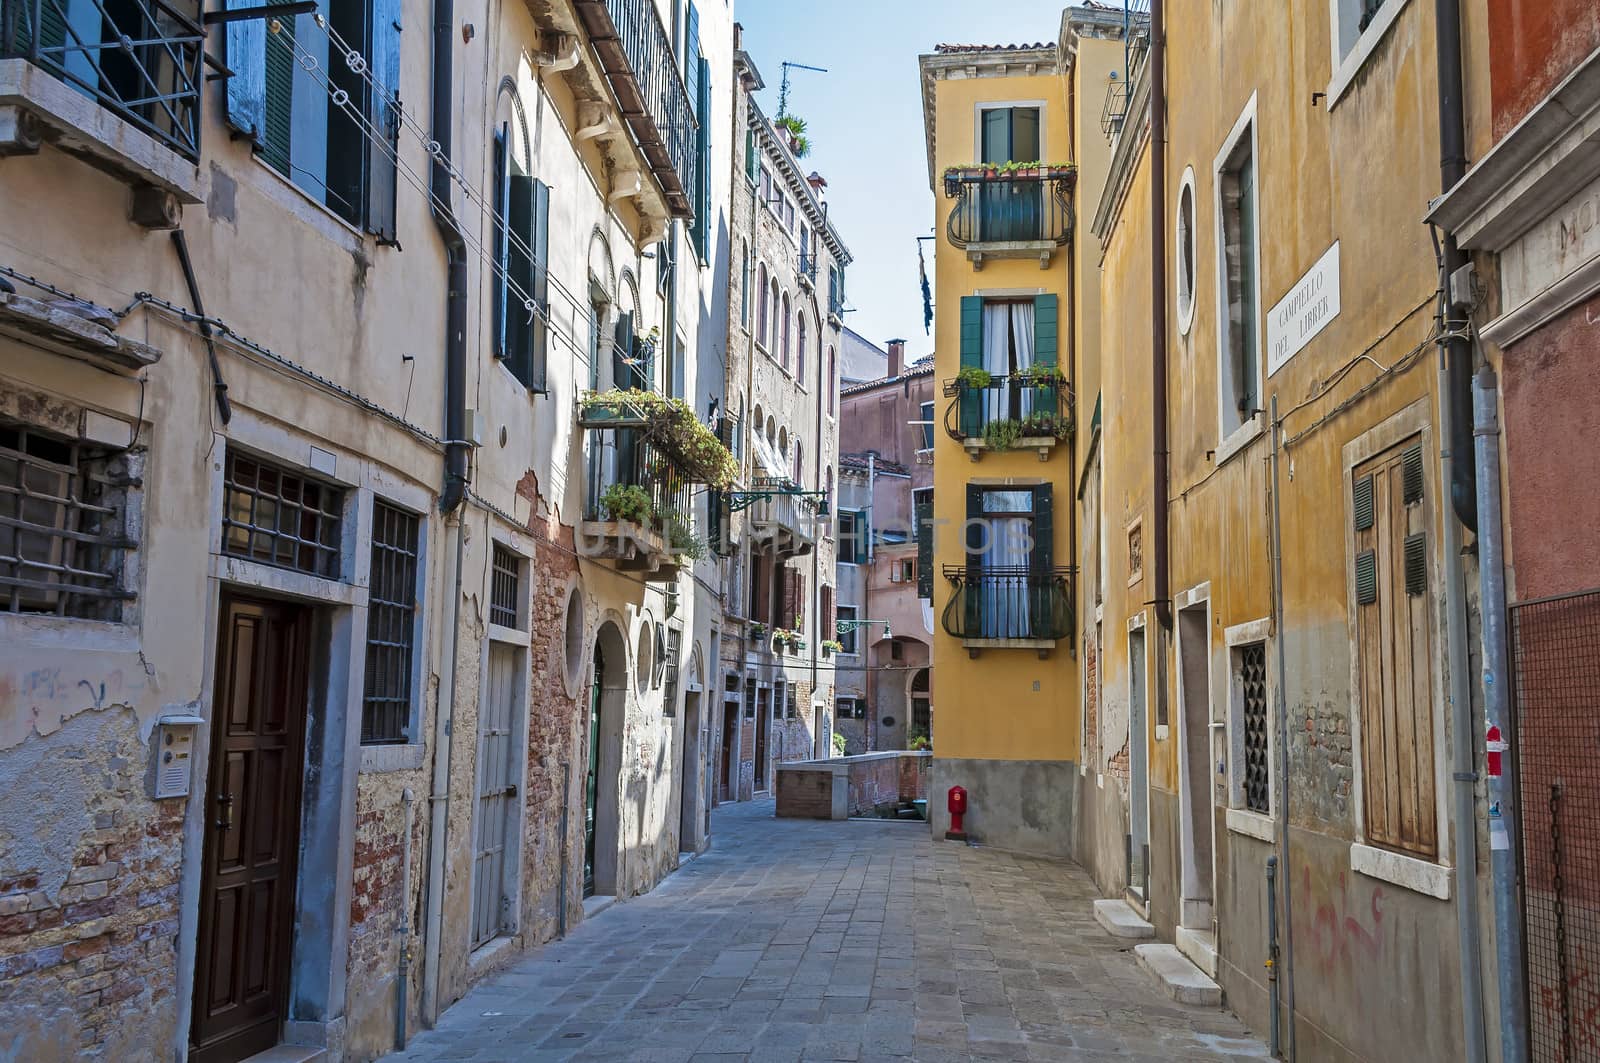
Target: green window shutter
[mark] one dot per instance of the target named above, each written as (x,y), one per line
(622,349)
(702,210)
(382,172)
(1366,577)
(1042,601)
(971,358)
(1411,474)
(246,55)
(1045,331)
(519,276)
(1044,528)
(540,244)
(1362,504)
(750,154)
(861,537)
(977,541)
(924,518)
(502,194)
(275,133)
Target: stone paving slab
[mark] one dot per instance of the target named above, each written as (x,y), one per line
(793,940)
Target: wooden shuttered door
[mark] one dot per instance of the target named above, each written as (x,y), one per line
(1045,343)
(1394,639)
(971,413)
(923,510)
(383,147)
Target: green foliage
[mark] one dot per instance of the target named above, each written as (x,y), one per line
(1002,433)
(795,126)
(683,540)
(627,502)
(974,378)
(1040,375)
(830,646)
(1037,425)
(758,631)
(672,425)
(838,744)
(917,738)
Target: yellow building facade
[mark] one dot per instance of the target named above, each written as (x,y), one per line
(1001,159)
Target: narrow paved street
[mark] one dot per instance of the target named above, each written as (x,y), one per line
(794,940)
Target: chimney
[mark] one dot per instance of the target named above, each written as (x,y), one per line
(897,357)
(818,186)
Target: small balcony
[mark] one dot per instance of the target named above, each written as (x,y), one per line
(1004,608)
(785,520)
(1017,213)
(646,454)
(635,52)
(808,269)
(991,414)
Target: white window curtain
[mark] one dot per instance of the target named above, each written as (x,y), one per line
(996,356)
(1022,351)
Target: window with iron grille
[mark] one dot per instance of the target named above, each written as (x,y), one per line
(792,706)
(279,517)
(63,526)
(669,701)
(391,626)
(1250,668)
(750,698)
(505,588)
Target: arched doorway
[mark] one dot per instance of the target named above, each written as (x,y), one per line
(608,702)
(921,705)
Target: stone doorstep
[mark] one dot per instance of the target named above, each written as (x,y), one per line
(1182,980)
(1120,920)
(290,1054)
(1201,948)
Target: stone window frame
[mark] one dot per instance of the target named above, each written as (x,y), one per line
(1186,306)
(570,666)
(1232,442)
(1241,820)
(1346,62)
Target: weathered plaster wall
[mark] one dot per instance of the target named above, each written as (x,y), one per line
(1533,45)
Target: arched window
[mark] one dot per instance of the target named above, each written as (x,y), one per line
(784,346)
(799,462)
(800,346)
(772,299)
(830,383)
(761,311)
(828,487)
(744,283)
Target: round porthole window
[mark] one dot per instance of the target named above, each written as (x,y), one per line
(888,721)
(1185,256)
(572,640)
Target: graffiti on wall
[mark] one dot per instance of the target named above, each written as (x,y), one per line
(1341,927)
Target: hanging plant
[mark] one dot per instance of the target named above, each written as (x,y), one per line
(626,502)
(683,540)
(974,378)
(831,647)
(672,425)
(1037,375)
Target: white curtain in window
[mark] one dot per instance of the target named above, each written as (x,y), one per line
(996,356)
(1004,608)
(1022,350)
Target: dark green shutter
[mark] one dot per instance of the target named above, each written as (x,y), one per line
(750,154)
(501,199)
(1416,564)
(1362,504)
(923,511)
(519,275)
(702,210)
(621,351)
(246,53)
(971,358)
(1411,474)
(382,175)
(275,135)
(1366,577)
(1045,329)
(979,539)
(540,340)
(1041,584)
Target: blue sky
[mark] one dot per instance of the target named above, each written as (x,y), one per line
(864,120)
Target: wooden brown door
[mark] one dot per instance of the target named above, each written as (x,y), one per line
(252,828)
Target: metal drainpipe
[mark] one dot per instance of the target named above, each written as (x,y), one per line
(1464,823)
(1452,167)
(866,597)
(455,485)
(1508,942)
(1158,311)
(1281,725)
(403,930)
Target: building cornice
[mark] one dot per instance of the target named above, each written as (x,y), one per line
(1125,156)
(779,152)
(977,63)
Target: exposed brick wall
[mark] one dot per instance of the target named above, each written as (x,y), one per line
(1322,764)
(92,941)
(805,794)
(1091,703)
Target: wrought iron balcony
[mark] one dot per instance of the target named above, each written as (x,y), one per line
(1009,607)
(1020,412)
(635,51)
(140,59)
(638,506)
(779,514)
(808,267)
(1023,213)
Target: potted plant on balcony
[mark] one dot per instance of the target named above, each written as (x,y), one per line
(1040,375)
(682,539)
(1002,433)
(758,631)
(1044,425)
(626,502)
(831,647)
(973,378)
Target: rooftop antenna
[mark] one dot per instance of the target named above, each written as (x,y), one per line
(783,89)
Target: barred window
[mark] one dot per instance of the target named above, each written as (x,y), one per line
(279,517)
(63,526)
(391,626)
(669,702)
(505,588)
(1251,664)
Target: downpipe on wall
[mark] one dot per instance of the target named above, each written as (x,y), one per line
(1281,727)
(1463,815)
(1508,930)
(455,486)
(1158,316)
(403,929)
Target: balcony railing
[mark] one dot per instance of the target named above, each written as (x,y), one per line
(635,51)
(638,506)
(1029,209)
(141,59)
(1027,607)
(808,266)
(788,520)
(1009,412)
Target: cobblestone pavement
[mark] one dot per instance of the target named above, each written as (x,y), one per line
(798,940)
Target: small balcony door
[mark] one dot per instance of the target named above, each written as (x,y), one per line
(1010,211)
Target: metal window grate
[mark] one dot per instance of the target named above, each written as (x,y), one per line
(792,708)
(391,626)
(1252,664)
(1555,648)
(281,518)
(669,703)
(750,698)
(505,587)
(62,538)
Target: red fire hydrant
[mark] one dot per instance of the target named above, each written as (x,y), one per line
(956,802)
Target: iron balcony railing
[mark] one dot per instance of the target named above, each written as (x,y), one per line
(792,513)
(1029,604)
(625,457)
(808,266)
(1012,408)
(141,59)
(1028,206)
(635,51)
